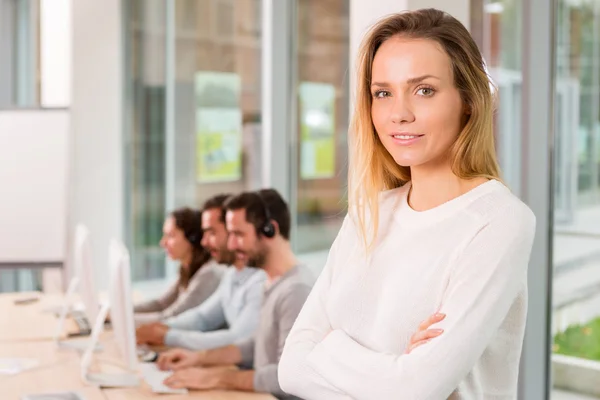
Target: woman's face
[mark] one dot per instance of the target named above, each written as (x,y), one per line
(416,109)
(174,242)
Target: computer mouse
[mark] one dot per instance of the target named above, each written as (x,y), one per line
(150,356)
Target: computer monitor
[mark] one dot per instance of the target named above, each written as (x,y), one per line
(84,272)
(121,304)
(121,317)
(86,310)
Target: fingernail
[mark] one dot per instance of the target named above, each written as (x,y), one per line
(438,330)
(440,315)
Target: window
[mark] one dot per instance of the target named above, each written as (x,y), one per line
(212,144)
(320,142)
(576,303)
(19,51)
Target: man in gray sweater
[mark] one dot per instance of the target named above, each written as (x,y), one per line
(258,224)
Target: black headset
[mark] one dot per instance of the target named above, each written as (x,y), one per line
(194,236)
(267,229)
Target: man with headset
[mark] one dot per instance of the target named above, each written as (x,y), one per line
(259,225)
(231,314)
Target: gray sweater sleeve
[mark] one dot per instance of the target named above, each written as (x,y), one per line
(265,378)
(203,284)
(160,304)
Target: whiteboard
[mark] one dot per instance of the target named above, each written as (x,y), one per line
(34,151)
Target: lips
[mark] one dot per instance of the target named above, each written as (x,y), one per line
(405,135)
(405,138)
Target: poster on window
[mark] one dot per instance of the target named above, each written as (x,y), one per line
(317,128)
(218,127)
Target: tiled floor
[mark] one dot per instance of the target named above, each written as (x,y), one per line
(560,395)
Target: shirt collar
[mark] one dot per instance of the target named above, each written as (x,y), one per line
(241,276)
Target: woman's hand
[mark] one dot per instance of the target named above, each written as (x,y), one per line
(424,334)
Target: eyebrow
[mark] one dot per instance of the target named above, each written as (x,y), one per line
(411,81)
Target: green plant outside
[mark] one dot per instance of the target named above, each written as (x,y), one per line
(582,341)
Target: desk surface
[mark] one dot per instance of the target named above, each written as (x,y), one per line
(87,393)
(58,370)
(28,322)
(29,336)
(145,393)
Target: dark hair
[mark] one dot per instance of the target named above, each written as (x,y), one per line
(190,222)
(259,205)
(217,201)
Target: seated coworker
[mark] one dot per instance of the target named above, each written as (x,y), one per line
(259,234)
(231,314)
(199,275)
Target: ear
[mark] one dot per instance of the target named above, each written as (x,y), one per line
(467,109)
(276,226)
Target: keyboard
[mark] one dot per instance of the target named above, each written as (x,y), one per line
(154,377)
(112,380)
(84,328)
(54,396)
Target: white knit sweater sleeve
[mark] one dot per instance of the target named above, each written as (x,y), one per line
(311,326)
(490,273)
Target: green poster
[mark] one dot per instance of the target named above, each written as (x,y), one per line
(317,128)
(218,126)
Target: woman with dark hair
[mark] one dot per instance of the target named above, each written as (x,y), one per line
(199,274)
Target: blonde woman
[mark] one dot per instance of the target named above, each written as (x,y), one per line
(431,231)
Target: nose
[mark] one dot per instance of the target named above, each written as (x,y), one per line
(401,111)
(204,241)
(162,242)
(231,243)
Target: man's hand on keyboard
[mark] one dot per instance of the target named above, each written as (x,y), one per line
(177,359)
(152,334)
(198,378)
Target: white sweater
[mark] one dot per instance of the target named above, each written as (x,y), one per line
(466,258)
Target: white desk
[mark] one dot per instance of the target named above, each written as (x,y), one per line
(27,322)
(27,332)
(145,393)
(58,370)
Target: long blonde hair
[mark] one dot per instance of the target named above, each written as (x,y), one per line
(372,169)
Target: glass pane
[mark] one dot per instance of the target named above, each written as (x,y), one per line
(502,51)
(145,138)
(217,107)
(576,303)
(19,51)
(323,111)
(217,99)
(20,280)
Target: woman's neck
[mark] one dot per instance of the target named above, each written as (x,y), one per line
(187,260)
(431,188)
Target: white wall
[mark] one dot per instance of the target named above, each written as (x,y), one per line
(459,9)
(55,53)
(33,178)
(97,175)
